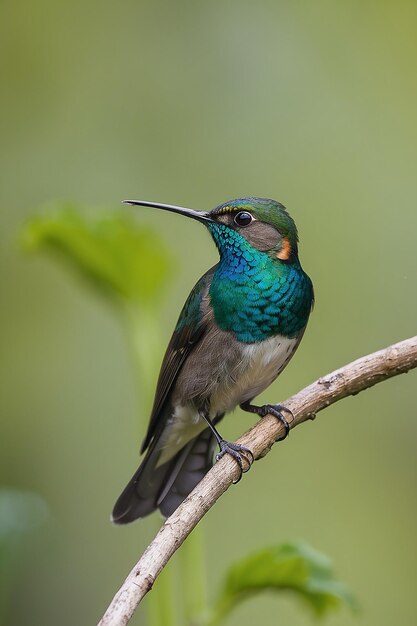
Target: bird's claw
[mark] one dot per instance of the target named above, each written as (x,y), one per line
(276,411)
(239,453)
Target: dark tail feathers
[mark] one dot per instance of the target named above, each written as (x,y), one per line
(165,487)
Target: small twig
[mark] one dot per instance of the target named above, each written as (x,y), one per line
(346,381)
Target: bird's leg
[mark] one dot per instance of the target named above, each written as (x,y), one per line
(272,409)
(238,452)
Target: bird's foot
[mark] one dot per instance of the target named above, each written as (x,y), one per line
(277,411)
(243,456)
(271,409)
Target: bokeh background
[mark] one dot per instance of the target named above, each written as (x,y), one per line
(193,103)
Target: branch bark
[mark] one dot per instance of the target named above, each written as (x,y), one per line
(346,381)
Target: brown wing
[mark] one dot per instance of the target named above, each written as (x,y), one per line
(190,328)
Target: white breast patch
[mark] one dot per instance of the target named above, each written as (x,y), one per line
(258,367)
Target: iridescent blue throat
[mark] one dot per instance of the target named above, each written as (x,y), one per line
(254,295)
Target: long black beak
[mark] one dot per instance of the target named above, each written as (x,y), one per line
(201,216)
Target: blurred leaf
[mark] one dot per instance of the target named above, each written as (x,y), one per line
(20,513)
(288,567)
(119,258)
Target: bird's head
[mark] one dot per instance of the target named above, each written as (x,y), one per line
(264,223)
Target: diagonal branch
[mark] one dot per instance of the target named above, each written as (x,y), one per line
(346,381)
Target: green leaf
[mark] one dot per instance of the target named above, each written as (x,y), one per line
(119,258)
(292,567)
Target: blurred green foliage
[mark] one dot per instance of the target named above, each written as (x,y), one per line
(21,513)
(195,103)
(127,264)
(287,567)
(108,249)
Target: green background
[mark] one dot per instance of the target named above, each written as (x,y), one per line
(311,103)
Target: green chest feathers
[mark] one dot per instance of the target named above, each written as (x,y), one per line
(257,297)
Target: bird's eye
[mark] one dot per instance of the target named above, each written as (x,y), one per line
(243,218)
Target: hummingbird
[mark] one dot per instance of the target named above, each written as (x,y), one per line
(237,331)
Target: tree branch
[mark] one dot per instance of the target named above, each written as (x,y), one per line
(346,381)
